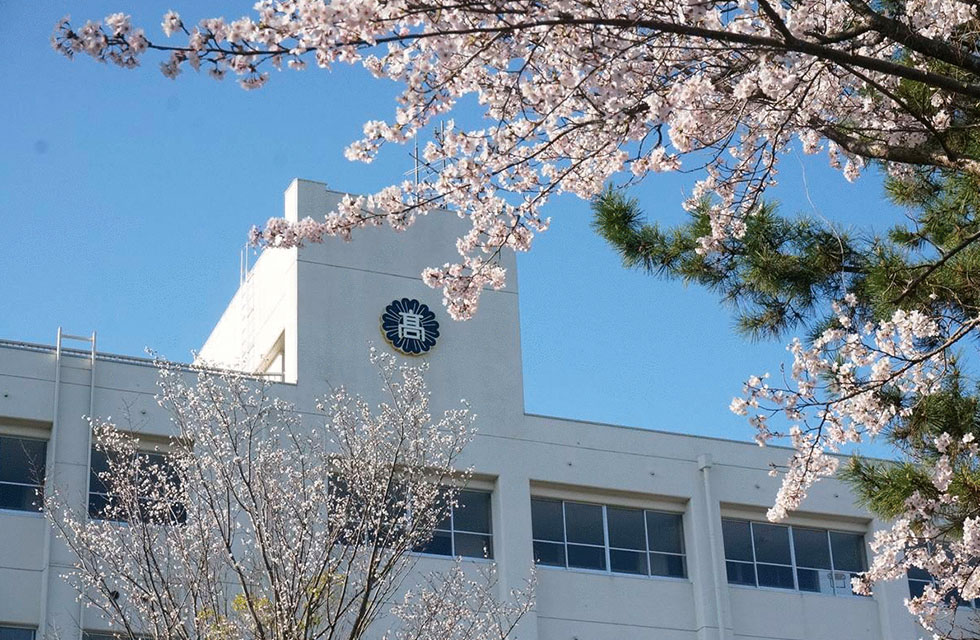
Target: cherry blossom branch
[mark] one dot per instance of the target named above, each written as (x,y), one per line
(574,91)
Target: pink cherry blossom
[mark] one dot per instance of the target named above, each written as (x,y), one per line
(577,93)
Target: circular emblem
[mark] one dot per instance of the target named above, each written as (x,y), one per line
(409,326)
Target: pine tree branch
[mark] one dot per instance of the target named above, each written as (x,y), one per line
(973,237)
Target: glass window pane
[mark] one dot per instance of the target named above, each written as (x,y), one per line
(472,512)
(439,506)
(582,557)
(97,503)
(22,460)
(626,528)
(441,544)
(105,507)
(19,498)
(583,523)
(738,540)
(812,548)
(628,561)
(178,513)
(916,587)
(664,564)
(156,468)
(665,532)
(549,553)
(740,573)
(546,520)
(470,545)
(815,580)
(337,487)
(98,465)
(848,551)
(916,573)
(775,576)
(152,462)
(146,511)
(16,633)
(395,513)
(771,544)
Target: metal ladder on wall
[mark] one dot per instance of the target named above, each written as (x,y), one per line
(49,469)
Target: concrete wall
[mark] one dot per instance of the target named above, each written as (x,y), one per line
(326,301)
(260,320)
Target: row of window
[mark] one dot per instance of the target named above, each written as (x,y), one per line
(465,531)
(22,470)
(567,534)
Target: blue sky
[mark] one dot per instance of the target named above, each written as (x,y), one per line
(126,198)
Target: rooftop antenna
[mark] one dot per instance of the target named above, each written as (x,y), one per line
(415,157)
(416,169)
(442,137)
(242,264)
(418,164)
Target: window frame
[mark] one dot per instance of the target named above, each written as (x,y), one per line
(909,580)
(795,567)
(38,486)
(452,531)
(607,547)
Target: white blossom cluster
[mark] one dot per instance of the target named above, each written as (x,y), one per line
(850,385)
(576,92)
(266,525)
(922,539)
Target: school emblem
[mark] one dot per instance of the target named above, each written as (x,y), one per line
(409,326)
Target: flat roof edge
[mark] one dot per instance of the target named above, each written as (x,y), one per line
(681,434)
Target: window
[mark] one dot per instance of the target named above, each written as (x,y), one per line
(16,633)
(760,554)
(919,578)
(578,535)
(466,531)
(367,516)
(153,468)
(22,474)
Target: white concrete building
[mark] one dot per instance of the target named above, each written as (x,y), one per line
(637,533)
